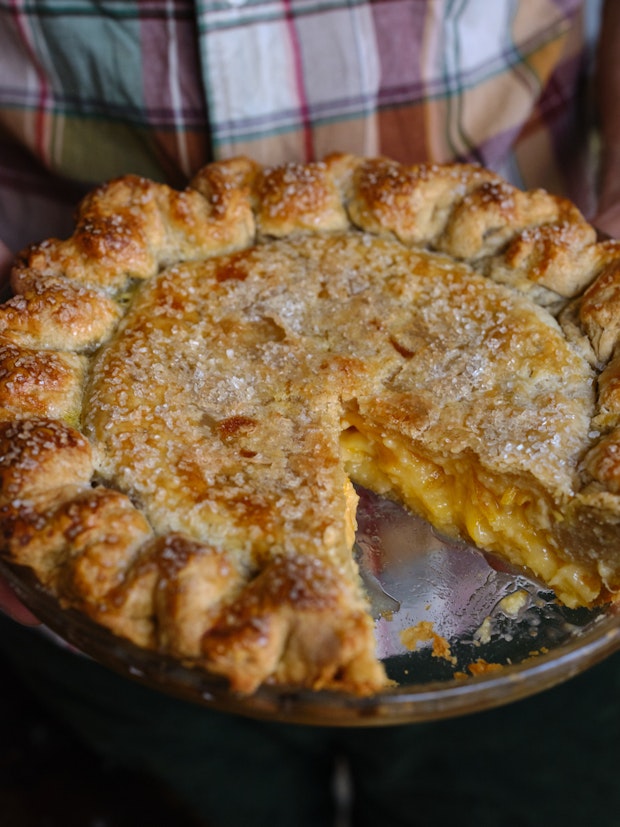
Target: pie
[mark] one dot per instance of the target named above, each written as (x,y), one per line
(193,382)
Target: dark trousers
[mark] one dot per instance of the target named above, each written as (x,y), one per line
(553,757)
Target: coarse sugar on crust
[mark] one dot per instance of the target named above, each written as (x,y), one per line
(191,384)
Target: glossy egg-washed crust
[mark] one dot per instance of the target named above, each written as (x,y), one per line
(285,613)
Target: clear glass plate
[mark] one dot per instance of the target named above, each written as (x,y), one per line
(457,630)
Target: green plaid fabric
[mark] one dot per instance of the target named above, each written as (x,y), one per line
(159,87)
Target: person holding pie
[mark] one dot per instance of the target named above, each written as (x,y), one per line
(529,67)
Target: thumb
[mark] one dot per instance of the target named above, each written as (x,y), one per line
(13,607)
(6,260)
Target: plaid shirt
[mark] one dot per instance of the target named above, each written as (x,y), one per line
(158,87)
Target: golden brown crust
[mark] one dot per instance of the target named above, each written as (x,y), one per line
(412,203)
(56,314)
(85,543)
(608,414)
(167,594)
(560,255)
(172,457)
(298,197)
(40,455)
(39,382)
(599,312)
(128,228)
(277,628)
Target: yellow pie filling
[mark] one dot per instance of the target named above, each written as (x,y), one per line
(496,515)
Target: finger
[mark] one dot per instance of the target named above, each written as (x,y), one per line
(6,260)
(608,221)
(14,608)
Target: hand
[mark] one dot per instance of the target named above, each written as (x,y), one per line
(606,91)
(6,256)
(13,607)
(6,260)
(607,218)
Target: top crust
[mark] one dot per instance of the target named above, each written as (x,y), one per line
(177,376)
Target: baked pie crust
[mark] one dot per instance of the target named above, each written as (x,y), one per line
(190,383)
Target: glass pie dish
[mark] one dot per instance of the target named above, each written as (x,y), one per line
(458,631)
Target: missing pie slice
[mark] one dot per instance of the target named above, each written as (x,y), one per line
(191,383)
